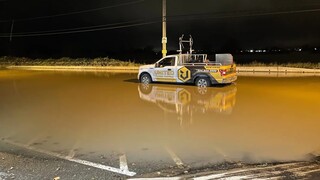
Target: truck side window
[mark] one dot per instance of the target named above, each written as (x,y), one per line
(167,62)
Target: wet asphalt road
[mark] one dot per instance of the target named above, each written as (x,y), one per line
(20,163)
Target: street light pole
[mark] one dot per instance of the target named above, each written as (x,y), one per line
(11,30)
(164,28)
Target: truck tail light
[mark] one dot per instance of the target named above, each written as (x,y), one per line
(223,72)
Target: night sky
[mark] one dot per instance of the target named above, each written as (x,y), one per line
(53,28)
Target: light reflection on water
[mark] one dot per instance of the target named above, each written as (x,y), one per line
(186,101)
(256,119)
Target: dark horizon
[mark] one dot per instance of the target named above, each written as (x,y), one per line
(133,27)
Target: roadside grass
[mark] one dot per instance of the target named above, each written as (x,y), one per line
(106,61)
(64,61)
(307,65)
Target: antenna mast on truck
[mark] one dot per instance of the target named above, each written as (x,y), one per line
(181,46)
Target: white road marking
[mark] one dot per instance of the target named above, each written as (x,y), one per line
(103,167)
(32,141)
(312,171)
(164,178)
(238,177)
(298,171)
(218,150)
(270,178)
(234,175)
(16,90)
(72,152)
(175,158)
(225,156)
(123,163)
(213,176)
(79,161)
(241,171)
(301,168)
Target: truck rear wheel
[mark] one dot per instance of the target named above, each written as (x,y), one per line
(203,82)
(145,78)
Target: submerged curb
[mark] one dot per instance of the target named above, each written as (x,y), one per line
(77,68)
(241,70)
(277,69)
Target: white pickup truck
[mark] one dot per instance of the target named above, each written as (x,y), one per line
(190,68)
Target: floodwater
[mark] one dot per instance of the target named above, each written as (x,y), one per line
(99,115)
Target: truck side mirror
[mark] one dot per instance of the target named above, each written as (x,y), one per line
(157,65)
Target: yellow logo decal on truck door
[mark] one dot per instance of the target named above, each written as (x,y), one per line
(184,74)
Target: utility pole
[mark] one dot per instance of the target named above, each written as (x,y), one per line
(164,28)
(10,39)
(12,23)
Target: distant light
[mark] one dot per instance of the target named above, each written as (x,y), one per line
(315,49)
(251,51)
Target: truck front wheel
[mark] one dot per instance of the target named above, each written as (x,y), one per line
(203,82)
(145,78)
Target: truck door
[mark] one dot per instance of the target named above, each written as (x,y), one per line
(165,70)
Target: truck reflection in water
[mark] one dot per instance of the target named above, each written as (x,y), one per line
(186,101)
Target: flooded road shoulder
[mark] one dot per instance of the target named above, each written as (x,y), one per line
(100,117)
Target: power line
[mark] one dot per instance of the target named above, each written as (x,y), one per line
(126,25)
(90,10)
(133,22)
(81,28)
(77,12)
(254,14)
(81,31)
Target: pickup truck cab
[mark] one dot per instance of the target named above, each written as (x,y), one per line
(190,69)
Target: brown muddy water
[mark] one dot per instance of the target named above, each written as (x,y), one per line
(96,115)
